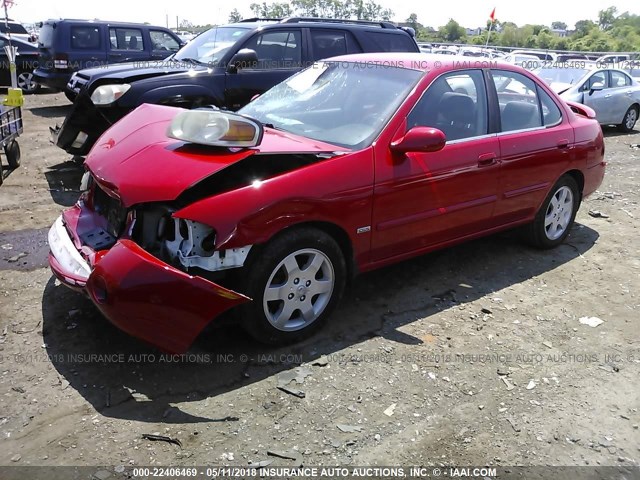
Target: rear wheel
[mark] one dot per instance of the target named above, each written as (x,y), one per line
(629,120)
(556,215)
(1,173)
(12,151)
(70,96)
(295,282)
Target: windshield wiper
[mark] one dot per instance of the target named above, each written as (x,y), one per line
(190,60)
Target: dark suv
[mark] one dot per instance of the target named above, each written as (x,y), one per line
(67,46)
(225,67)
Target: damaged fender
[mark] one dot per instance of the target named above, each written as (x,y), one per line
(153,301)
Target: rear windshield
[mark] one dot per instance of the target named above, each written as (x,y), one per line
(45,38)
(13,28)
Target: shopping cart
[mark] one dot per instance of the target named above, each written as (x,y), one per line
(10,129)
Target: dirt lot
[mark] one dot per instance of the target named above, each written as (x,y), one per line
(476,353)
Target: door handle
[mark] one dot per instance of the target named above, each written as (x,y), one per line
(608,95)
(486,159)
(564,143)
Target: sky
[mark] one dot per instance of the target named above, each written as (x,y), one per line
(469,13)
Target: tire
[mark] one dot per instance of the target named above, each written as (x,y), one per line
(1,173)
(284,262)
(629,120)
(12,152)
(556,215)
(70,97)
(26,83)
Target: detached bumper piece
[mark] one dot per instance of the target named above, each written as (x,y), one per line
(139,293)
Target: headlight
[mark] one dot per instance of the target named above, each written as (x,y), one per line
(211,127)
(106,94)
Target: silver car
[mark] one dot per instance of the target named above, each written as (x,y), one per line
(612,93)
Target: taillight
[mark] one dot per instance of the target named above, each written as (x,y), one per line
(61,61)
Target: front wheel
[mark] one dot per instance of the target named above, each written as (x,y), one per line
(26,82)
(629,120)
(556,215)
(295,282)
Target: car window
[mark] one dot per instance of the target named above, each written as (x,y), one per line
(13,28)
(455,103)
(331,43)
(163,41)
(598,77)
(281,49)
(619,79)
(388,42)
(126,39)
(85,38)
(551,114)
(518,100)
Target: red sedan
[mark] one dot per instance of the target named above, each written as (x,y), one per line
(353,164)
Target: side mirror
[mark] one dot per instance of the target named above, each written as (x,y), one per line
(596,87)
(245,58)
(420,139)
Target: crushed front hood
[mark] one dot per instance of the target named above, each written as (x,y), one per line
(137,162)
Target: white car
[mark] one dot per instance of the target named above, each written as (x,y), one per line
(528,62)
(612,93)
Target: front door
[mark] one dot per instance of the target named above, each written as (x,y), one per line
(425,199)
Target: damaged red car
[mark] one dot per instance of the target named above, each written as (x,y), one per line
(353,164)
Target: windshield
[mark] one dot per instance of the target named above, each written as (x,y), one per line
(345,104)
(567,76)
(210,46)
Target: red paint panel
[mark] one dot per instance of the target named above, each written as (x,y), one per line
(153,301)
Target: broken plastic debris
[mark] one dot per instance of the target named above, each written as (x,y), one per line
(591,321)
(161,438)
(597,214)
(349,428)
(292,391)
(509,385)
(389,411)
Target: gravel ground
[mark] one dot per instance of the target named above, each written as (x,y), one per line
(474,355)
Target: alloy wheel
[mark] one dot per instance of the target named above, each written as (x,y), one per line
(299,289)
(559,213)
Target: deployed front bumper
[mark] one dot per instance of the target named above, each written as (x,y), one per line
(139,293)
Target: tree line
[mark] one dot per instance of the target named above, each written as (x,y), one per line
(614,31)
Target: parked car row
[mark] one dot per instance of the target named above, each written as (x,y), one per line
(354,163)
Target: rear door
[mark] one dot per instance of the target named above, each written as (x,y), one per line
(536,144)
(327,43)
(87,45)
(621,95)
(280,54)
(425,199)
(127,44)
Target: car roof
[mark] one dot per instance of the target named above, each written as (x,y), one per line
(98,22)
(424,61)
(316,22)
